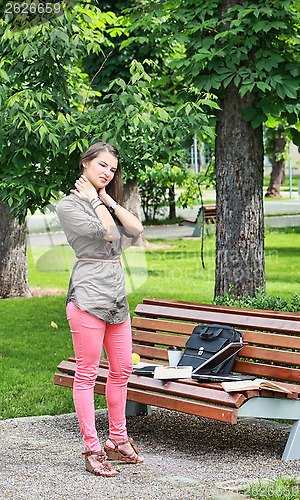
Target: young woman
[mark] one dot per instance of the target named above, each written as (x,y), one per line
(97,307)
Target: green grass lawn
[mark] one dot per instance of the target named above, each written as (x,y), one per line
(30,348)
(284,488)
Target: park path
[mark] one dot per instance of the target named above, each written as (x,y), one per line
(45,230)
(186,458)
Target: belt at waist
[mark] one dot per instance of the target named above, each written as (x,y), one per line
(101,260)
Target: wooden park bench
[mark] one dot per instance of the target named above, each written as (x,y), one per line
(207,213)
(272,352)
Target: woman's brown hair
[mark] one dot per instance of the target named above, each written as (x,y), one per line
(114,188)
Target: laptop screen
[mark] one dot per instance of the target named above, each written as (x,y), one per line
(222,355)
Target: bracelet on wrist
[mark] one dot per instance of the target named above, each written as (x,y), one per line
(96,205)
(94,200)
(113,207)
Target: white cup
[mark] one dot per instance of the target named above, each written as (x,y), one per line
(174,355)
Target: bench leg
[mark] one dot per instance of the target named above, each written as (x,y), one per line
(196,232)
(292,449)
(134,408)
(282,408)
(198,227)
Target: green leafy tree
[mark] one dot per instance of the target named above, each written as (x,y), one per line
(42,96)
(246,53)
(154,185)
(51,113)
(164,94)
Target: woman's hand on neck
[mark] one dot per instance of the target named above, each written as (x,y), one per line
(84,189)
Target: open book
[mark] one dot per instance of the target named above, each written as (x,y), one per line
(256,384)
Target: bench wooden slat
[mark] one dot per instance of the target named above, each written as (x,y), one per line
(149,352)
(186,406)
(163,401)
(261,353)
(198,306)
(174,388)
(272,355)
(158,338)
(260,338)
(209,385)
(272,339)
(269,371)
(163,325)
(216,386)
(235,320)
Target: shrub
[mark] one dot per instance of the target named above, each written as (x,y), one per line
(261,301)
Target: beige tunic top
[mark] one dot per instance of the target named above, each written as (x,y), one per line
(95,287)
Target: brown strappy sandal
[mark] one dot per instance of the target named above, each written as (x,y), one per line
(116,454)
(96,462)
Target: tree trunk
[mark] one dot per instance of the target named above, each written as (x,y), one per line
(131,200)
(240,267)
(13,256)
(172,204)
(277,174)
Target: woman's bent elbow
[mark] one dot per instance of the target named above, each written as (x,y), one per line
(112,237)
(137,230)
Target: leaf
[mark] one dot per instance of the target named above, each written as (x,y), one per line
(135,77)
(296,136)
(281,92)
(292,119)
(136,120)
(120,82)
(163,115)
(291,87)
(262,26)
(53,324)
(227,80)
(127,42)
(249,113)
(271,122)
(72,147)
(26,51)
(4,75)
(30,188)
(237,80)
(61,34)
(53,138)
(42,131)
(188,108)
(263,86)
(258,120)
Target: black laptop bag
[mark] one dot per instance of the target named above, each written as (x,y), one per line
(207,340)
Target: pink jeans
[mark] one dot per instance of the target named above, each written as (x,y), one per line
(89,333)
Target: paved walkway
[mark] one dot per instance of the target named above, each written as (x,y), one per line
(186,458)
(45,230)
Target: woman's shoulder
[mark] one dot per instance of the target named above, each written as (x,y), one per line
(70,201)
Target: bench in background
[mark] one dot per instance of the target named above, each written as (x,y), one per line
(272,352)
(207,213)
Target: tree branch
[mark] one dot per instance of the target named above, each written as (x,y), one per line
(100,69)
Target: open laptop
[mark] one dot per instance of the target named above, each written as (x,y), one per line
(204,372)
